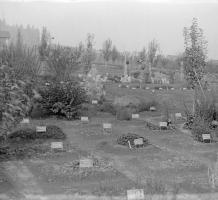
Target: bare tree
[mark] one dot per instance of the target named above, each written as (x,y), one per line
(153,47)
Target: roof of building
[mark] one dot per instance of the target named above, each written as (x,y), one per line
(4,34)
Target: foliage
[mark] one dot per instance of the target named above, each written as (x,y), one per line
(62,61)
(89,54)
(153,47)
(114,54)
(108,107)
(123,113)
(45,43)
(195,54)
(200,127)
(52,132)
(14,102)
(63,99)
(145,106)
(123,140)
(25,61)
(106,49)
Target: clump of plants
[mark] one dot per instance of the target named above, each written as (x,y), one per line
(123,140)
(52,132)
(63,99)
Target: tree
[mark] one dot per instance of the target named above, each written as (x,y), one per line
(106,50)
(143,57)
(14,103)
(44,44)
(19,44)
(89,53)
(195,54)
(114,54)
(153,47)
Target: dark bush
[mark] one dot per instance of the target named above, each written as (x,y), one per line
(145,106)
(124,113)
(108,107)
(52,132)
(63,99)
(200,127)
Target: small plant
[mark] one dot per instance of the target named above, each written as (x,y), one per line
(145,106)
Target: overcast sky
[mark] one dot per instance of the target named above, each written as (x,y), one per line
(129,24)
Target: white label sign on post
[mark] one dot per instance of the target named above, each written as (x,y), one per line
(94,102)
(138,141)
(136,194)
(178,115)
(152,108)
(135,116)
(163,124)
(206,137)
(107,126)
(25,121)
(41,129)
(85,162)
(57,145)
(84,119)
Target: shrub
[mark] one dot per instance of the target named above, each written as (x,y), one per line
(200,127)
(124,113)
(52,132)
(108,107)
(145,106)
(63,99)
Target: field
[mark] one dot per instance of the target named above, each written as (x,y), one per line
(172,162)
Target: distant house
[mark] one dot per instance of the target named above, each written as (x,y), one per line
(4,38)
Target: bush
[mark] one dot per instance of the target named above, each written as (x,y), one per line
(124,113)
(108,107)
(52,132)
(63,99)
(145,106)
(200,127)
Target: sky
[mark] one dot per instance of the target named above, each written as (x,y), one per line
(130,24)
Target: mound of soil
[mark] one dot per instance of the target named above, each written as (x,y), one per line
(123,140)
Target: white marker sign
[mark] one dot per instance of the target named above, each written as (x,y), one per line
(25,121)
(206,137)
(107,126)
(135,116)
(94,102)
(41,129)
(57,145)
(147,88)
(138,141)
(137,194)
(152,108)
(84,119)
(163,124)
(86,162)
(172,88)
(178,115)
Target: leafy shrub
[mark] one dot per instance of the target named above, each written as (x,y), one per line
(123,113)
(108,107)
(52,132)
(200,127)
(145,106)
(63,99)
(38,111)
(14,103)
